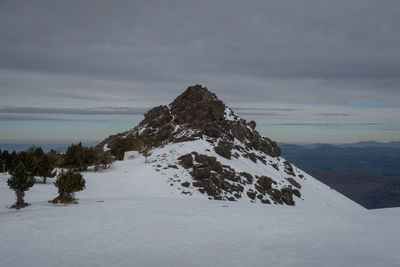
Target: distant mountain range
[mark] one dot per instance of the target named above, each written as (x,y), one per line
(394,144)
(367,172)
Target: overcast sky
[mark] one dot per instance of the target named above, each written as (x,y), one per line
(304,70)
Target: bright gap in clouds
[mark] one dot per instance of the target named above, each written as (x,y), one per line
(285,122)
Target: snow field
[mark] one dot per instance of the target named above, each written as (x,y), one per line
(130,215)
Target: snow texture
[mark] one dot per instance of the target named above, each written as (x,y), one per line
(229,116)
(106,148)
(313,192)
(130,215)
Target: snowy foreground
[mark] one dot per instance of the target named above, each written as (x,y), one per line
(129,216)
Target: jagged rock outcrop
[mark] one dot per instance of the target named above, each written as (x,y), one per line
(197,114)
(194,114)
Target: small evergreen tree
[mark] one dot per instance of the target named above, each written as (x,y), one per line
(10,160)
(79,157)
(45,168)
(29,161)
(106,159)
(2,163)
(5,158)
(102,159)
(55,158)
(74,157)
(20,182)
(68,183)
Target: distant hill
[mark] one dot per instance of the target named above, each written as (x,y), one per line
(393,144)
(369,175)
(377,160)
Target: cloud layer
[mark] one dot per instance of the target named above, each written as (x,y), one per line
(270,58)
(350,47)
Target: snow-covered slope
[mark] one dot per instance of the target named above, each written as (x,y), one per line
(162,176)
(130,216)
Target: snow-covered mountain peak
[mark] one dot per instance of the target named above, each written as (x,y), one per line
(200,147)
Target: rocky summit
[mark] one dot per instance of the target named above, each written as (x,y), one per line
(202,146)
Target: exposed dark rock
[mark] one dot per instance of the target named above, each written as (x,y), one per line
(293,182)
(265,201)
(252,124)
(248,177)
(203,113)
(252,157)
(287,196)
(201,173)
(197,104)
(231,198)
(202,158)
(207,186)
(200,166)
(229,174)
(214,178)
(260,189)
(185,184)
(251,194)
(262,159)
(210,162)
(184,139)
(186,161)
(289,168)
(265,182)
(275,166)
(172,166)
(237,195)
(276,195)
(297,193)
(223,149)
(157,117)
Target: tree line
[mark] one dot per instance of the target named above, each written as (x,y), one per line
(40,164)
(25,166)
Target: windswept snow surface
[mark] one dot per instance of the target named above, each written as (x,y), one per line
(130,215)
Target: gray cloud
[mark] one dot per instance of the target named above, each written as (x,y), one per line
(98,50)
(75,111)
(151,40)
(32,118)
(239,109)
(257,114)
(333,114)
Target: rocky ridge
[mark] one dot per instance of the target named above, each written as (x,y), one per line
(220,139)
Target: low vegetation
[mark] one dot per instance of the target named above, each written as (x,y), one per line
(20,182)
(26,166)
(80,157)
(68,183)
